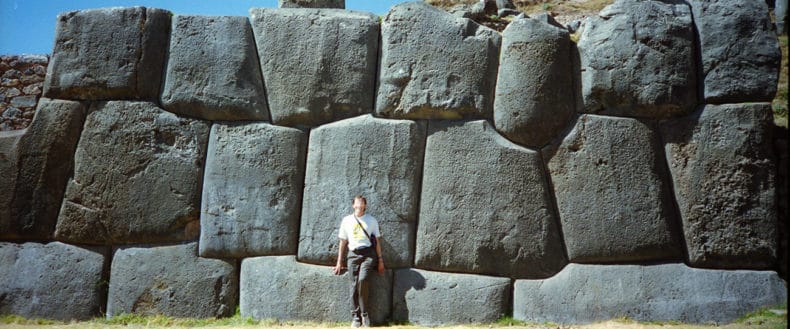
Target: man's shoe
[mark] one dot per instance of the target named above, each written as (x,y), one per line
(355,323)
(365,320)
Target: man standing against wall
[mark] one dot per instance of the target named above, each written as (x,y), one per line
(359,232)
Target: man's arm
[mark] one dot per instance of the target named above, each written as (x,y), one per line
(340,253)
(381,256)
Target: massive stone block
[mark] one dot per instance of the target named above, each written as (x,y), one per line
(341,4)
(378,158)
(638,60)
(51,281)
(668,292)
(433,298)
(171,281)
(137,177)
(112,53)
(723,169)
(36,164)
(486,207)
(319,65)
(535,96)
(739,50)
(435,65)
(252,192)
(610,183)
(213,71)
(279,287)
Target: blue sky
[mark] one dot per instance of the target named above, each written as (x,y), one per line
(28,26)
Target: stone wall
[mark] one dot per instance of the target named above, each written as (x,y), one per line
(198,163)
(21,83)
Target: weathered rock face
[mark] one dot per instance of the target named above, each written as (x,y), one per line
(609,180)
(212,71)
(91,63)
(486,207)
(252,193)
(378,158)
(433,298)
(137,177)
(36,164)
(319,65)
(733,69)
(52,281)
(670,292)
(435,65)
(306,292)
(21,83)
(171,281)
(312,4)
(723,171)
(534,92)
(638,60)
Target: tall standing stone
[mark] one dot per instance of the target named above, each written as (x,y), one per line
(319,65)
(723,169)
(252,191)
(638,60)
(739,50)
(435,65)
(137,177)
(340,4)
(51,281)
(535,96)
(486,207)
(171,281)
(213,71)
(111,53)
(38,164)
(378,158)
(612,192)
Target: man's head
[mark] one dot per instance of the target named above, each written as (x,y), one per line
(359,204)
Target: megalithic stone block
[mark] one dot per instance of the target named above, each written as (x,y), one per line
(739,50)
(433,298)
(171,281)
(535,96)
(51,281)
(612,191)
(38,162)
(137,177)
(638,60)
(319,65)
(109,54)
(252,191)
(380,159)
(213,71)
(668,292)
(341,4)
(279,287)
(724,173)
(435,65)
(485,206)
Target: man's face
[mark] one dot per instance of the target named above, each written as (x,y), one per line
(359,205)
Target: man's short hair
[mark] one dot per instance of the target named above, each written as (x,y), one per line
(360,197)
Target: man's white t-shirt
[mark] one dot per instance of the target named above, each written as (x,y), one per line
(352,232)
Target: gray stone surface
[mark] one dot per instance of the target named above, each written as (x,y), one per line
(724,174)
(780,12)
(112,53)
(137,177)
(341,4)
(378,158)
(50,281)
(171,281)
(668,292)
(319,65)
(252,191)
(611,187)
(213,71)
(432,298)
(535,96)
(435,65)
(486,207)
(306,292)
(739,50)
(638,60)
(36,164)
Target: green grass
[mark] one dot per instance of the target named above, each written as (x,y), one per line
(15,319)
(779,103)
